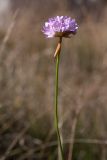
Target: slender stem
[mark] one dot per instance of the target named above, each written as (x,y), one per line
(56,103)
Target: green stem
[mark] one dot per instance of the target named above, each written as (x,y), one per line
(56,104)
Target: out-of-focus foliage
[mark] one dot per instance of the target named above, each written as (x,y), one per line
(27,71)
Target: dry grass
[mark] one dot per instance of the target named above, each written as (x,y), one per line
(27,90)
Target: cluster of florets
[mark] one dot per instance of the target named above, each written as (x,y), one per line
(60,26)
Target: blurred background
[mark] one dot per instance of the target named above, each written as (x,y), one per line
(27,74)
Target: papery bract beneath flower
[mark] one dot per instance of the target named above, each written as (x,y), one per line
(60,26)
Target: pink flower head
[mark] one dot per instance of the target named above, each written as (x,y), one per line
(60,26)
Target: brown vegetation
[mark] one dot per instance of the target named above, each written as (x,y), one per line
(27,88)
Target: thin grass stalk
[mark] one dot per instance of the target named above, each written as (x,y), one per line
(57,56)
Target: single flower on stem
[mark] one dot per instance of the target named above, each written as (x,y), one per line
(59,26)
